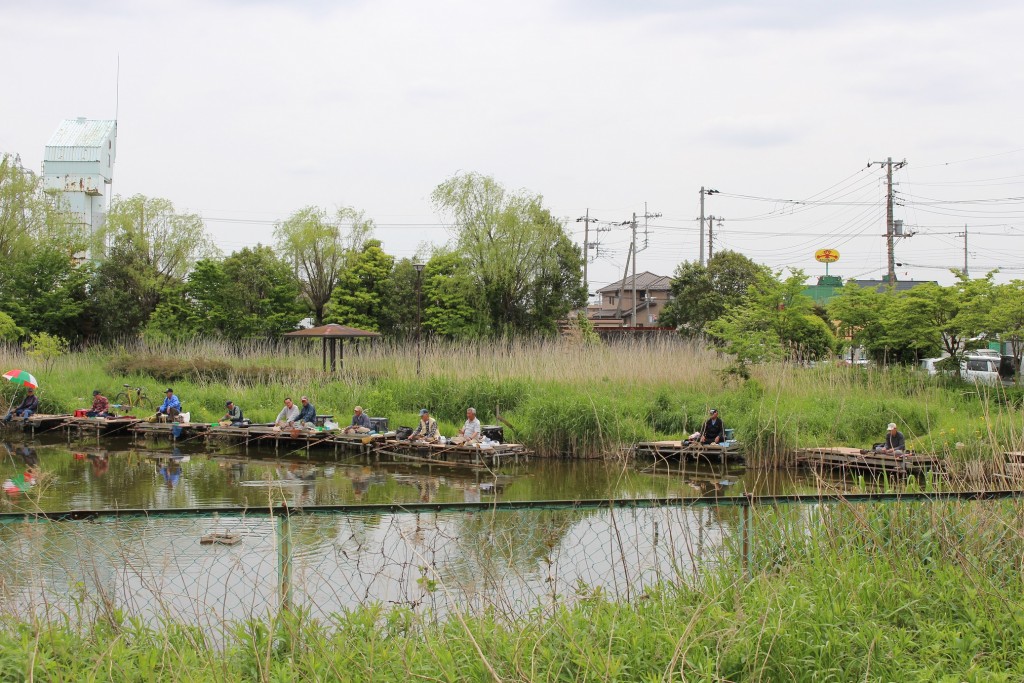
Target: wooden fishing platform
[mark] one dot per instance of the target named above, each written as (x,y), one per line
(37,423)
(865,460)
(172,430)
(437,453)
(266,436)
(100,426)
(680,450)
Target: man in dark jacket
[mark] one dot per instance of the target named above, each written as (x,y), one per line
(28,406)
(307,414)
(895,443)
(713,430)
(232,418)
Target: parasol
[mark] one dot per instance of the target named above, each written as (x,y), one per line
(22,377)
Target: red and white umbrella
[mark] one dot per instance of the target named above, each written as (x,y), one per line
(22,377)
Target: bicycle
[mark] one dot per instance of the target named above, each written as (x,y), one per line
(128,400)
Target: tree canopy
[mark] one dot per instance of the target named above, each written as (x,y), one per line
(526,270)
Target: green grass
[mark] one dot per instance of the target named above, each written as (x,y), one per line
(562,398)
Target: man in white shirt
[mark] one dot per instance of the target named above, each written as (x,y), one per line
(470,432)
(287,417)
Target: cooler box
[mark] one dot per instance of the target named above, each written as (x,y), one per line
(81,412)
(494,432)
(378,424)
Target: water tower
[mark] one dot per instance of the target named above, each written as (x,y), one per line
(78,164)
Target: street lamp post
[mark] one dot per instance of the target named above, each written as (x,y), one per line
(419,311)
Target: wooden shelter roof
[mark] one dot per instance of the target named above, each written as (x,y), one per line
(332,331)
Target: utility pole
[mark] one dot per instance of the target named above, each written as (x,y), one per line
(648,215)
(889,239)
(964,235)
(702,193)
(587,220)
(711,234)
(701,225)
(633,249)
(622,283)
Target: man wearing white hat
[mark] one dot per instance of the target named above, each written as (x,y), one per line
(895,444)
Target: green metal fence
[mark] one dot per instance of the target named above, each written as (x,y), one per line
(513,558)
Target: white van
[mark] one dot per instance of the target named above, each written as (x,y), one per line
(981,369)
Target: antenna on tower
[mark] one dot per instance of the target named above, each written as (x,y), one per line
(117,88)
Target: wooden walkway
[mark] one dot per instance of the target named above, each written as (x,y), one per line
(679,450)
(37,423)
(437,453)
(864,460)
(100,426)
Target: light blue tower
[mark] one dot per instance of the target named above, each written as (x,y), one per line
(78,164)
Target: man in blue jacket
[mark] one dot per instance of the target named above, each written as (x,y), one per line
(307,414)
(170,408)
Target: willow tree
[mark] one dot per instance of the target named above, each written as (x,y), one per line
(156,244)
(319,248)
(527,272)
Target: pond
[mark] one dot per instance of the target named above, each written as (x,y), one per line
(511,562)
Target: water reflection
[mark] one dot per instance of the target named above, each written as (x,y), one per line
(123,477)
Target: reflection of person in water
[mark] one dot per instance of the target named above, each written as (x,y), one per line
(171,471)
(29,455)
(100,463)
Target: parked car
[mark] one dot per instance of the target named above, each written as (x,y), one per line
(981,369)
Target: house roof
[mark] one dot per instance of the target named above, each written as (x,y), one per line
(645,280)
(881,285)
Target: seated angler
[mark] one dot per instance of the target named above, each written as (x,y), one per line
(100,405)
(232,418)
(286,419)
(713,431)
(895,442)
(28,406)
(470,432)
(307,414)
(170,408)
(426,430)
(360,422)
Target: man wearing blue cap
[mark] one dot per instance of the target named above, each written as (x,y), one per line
(426,430)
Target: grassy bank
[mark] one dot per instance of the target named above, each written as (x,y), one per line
(561,398)
(908,591)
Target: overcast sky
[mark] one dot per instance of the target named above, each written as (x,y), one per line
(246,111)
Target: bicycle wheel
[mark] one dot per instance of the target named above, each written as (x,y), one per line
(123,400)
(143,402)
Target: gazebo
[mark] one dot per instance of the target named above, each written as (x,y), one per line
(333,336)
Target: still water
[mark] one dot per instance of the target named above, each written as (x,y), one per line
(508,562)
(57,476)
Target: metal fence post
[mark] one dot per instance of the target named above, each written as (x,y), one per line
(746,531)
(284,560)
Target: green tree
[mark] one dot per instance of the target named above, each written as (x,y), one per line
(953,315)
(701,294)
(9,330)
(317,247)
(1007,318)
(124,294)
(49,292)
(45,348)
(398,319)
(448,297)
(197,307)
(167,241)
(259,298)
(528,273)
(775,320)
(363,289)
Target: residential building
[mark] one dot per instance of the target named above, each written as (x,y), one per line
(615,308)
